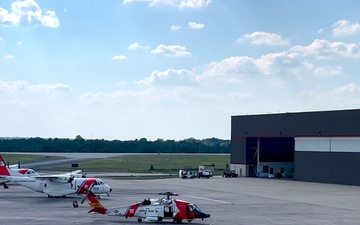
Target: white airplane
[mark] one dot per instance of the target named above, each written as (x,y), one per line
(15,170)
(57,185)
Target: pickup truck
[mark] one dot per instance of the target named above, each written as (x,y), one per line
(205,173)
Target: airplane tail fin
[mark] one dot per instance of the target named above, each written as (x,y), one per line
(95,205)
(4,171)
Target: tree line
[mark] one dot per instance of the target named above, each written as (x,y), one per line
(79,144)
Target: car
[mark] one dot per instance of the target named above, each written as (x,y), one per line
(187,174)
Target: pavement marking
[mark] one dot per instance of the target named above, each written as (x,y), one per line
(208,199)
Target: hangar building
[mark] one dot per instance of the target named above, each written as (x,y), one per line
(322,146)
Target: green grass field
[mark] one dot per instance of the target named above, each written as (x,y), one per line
(154,163)
(161,163)
(24,158)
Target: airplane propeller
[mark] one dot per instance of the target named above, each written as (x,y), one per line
(87,192)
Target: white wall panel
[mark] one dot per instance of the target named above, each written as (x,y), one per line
(327,144)
(312,144)
(345,144)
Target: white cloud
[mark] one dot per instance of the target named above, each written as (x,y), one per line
(346,96)
(28,12)
(352,88)
(264,38)
(194,25)
(229,70)
(20,85)
(118,57)
(345,28)
(134,46)
(9,57)
(19,43)
(168,74)
(239,69)
(144,96)
(324,49)
(171,50)
(177,3)
(194,3)
(175,28)
(328,71)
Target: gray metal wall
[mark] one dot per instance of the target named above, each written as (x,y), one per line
(326,123)
(328,167)
(238,151)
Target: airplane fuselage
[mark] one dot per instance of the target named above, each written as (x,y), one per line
(62,186)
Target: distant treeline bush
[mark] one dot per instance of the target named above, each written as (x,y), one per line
(191,145)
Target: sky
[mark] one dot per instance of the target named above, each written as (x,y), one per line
(171,69)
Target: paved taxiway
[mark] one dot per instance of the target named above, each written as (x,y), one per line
(229,201)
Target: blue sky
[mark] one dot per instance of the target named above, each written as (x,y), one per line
(171,69)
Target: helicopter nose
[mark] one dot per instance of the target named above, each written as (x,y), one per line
(202,215)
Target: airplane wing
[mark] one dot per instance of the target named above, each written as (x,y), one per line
(3,180)
(55,178)
(75,173)
(63,177)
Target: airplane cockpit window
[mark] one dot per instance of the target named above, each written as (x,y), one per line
(30,172)
(99,182)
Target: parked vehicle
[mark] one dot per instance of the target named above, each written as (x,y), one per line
(229,173)
(205,173)
(187,174)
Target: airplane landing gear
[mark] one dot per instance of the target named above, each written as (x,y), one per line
(139,220)
(5,186)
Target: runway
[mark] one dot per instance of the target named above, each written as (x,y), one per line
(229,201)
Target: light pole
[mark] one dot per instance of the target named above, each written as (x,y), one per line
(170,157)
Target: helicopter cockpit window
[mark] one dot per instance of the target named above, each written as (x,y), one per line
(194,208)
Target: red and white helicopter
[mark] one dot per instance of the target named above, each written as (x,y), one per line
(55,185)
(152,210)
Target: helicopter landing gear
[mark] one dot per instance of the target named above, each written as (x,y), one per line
(177,220)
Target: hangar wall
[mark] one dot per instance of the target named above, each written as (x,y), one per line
(327,160)
(331,157)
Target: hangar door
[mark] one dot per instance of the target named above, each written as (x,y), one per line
(327,160)
(270,156)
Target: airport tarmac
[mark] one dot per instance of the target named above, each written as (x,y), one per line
(229,201)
